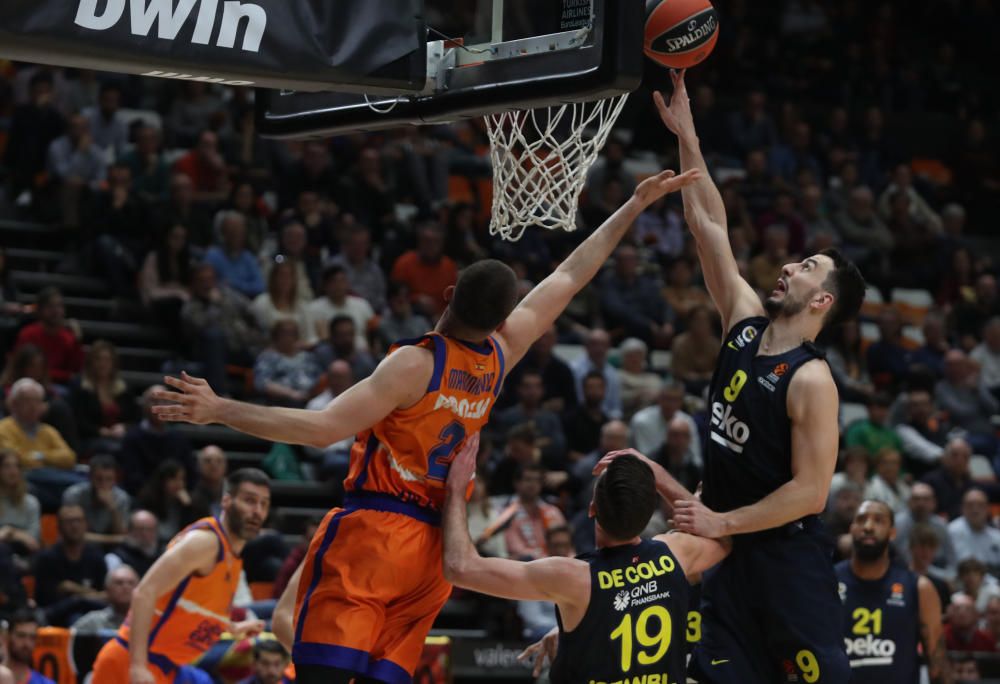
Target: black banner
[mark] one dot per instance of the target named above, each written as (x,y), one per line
(346,45)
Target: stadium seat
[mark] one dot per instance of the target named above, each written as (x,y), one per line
(50,529)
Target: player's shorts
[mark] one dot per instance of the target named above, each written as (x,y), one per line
(771,612)
(112,665)
(372,585)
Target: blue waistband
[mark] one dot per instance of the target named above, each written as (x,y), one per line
(386,503)
(164,663)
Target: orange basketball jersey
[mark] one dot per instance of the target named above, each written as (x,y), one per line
(407,454)
(191,618)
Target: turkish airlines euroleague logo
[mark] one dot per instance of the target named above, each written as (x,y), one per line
(688,35)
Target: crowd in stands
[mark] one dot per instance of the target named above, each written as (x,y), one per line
(283,271)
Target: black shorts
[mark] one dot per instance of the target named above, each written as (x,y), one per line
(771,612)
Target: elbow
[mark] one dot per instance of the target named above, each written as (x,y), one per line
(454,570)
(818,503)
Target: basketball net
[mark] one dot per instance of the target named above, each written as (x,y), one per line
(541,158)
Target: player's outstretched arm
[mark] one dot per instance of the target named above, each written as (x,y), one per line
(196,552)
(666,486)
(549,579)
(706,214)
(812,406)
(696,554)
(355,410)
(932,633)
(539,310)
(283,619)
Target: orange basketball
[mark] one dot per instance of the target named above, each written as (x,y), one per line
(680,33)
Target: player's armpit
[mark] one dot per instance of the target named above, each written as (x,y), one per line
(932,632)
(696,554)
(547,579)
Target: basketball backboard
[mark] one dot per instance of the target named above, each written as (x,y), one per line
(485,56)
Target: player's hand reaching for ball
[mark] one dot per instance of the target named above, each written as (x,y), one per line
(677,115)
(194,402)
(694,517)
(463,467)
(664,183)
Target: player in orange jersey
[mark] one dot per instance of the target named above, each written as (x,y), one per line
(181,607)
(372,582)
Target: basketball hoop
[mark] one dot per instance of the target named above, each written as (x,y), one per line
(541,158)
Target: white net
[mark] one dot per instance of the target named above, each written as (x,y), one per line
(540,162)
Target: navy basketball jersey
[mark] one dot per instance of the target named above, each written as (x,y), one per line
(881,625)
(748,453)
(636,622)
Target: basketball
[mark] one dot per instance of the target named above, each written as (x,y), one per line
(680,33)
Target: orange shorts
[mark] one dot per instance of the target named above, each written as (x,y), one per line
(112,665)
(371,587)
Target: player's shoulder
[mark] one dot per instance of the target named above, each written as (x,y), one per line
(812,376)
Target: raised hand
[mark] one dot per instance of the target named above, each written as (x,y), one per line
(677,115)
(195,402)
(603,464)
(664,183)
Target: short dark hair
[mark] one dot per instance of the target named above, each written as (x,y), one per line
(593,375)
(253,476)
(331,271)
(22,616)
(396,288)
(338,319)
(881,399)
(269,646)
(103,462)
(526,468)
(485,294)
(888,509)
(522,432)
(625,497)
(971,564)
(923,534)
(47,296)
(847,285)
(558,529)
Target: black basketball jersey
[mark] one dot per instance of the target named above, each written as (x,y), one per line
(881,625)
(748,453)
(636,621)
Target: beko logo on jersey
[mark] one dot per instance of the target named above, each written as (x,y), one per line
(169,19)
(869,650)
(745,337)
(734,433)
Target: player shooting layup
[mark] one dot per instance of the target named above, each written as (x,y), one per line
(372,583)
(770,610)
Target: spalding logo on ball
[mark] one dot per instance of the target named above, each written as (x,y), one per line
(680,33)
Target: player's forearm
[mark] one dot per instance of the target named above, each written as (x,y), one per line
(792,501)
(284,425)
(459,551)
(703,205)
(282,622)
(667,487)
(140,624)
(587,259)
